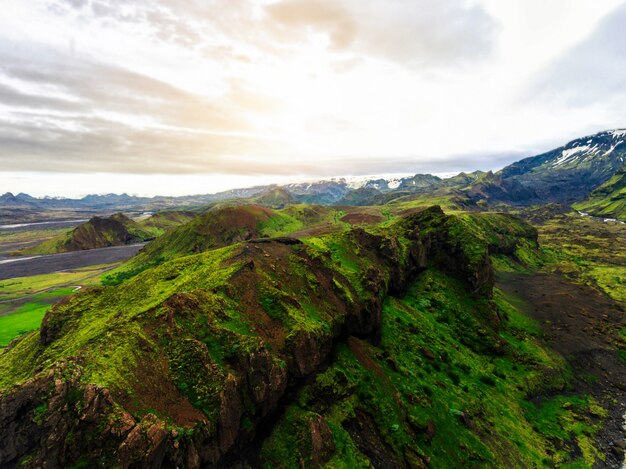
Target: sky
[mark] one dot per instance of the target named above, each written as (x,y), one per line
(177,97)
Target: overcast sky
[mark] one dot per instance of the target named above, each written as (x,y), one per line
(181,96)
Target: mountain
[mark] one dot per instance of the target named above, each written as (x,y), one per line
(323,192)
(276,197)
(381,185)
(21,200)
(569,173)
(365,195)
(607,200)
(419,182)
(489,187)
(563,175)
(112,200)
(116,230)
(463,179)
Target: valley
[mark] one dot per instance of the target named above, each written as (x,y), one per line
(46,264)
(473,321)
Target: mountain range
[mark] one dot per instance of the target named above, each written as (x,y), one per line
(565,175)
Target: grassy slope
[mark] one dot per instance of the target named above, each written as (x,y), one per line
(441,388)
(161,222)
(609,199)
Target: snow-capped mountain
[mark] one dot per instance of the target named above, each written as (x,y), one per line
(572,171)
(588,148)
(565,174)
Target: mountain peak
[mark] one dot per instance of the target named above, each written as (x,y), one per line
(571,171)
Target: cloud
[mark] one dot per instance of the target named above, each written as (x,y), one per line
(414,33)
(62,111)
(593,71)
(187,23)
(425,33)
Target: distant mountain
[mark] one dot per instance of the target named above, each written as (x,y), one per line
(564,175)
(490,187)
(569,173)
(276,197)
(419,182)
(323,192)
(381,185)
(609,199)
(20,200)
(365,195)
(112,200)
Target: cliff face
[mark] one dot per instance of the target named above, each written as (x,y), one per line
(190,363)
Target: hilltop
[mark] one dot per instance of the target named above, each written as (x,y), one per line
(214,341)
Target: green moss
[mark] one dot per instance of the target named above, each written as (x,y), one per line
(40,413)
(568,419)
(607,200)
(290,444)
(196,375)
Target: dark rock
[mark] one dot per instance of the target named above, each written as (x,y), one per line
(322,444)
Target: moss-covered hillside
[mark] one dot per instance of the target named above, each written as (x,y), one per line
(98,232)
(384,346)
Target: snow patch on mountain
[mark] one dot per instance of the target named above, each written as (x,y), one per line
(610,150)
(570,153)
(376,181)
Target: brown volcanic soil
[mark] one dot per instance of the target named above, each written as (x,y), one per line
(583,325)
(361,218)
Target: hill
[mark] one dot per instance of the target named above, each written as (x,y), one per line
(116,230)
(609,199)
(162,221)
(490,188)
(213,229)
(361,197)
(358,346)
